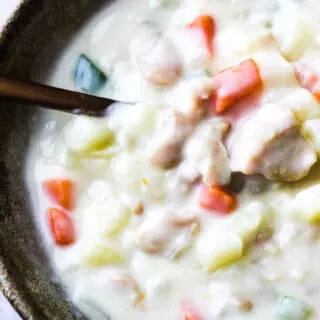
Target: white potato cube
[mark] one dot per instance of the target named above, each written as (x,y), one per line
(216,249)
(308,204)
(311,130)
(107,217)
(253,38)
(86,134)
(97,255)
(275,71)
(249,221)
(141,121)
(303,104)
(292,31)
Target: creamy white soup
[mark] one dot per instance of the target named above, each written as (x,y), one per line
(201,199)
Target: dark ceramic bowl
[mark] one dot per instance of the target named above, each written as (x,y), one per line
(29,45)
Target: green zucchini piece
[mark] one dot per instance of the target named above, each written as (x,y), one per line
(88,77)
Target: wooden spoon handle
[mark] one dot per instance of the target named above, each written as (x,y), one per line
(52,98)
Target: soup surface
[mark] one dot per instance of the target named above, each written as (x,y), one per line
(201,200)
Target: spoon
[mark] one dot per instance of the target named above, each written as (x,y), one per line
(29,93)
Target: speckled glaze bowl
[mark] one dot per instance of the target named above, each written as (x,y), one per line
(29,45)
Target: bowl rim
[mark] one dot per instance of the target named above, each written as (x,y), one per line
(21,16)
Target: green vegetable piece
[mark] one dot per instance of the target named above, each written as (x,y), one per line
(290,308)
(88,77)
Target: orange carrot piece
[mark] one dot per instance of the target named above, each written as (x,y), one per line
(206,25)
(235,83)
(217,199)
(61,191)
(61,227)
(190,312)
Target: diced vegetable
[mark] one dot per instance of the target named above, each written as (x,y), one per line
(86,135)
(249,221)
(235,83)
(61,227)
(216,248)
(61,191)
(107,216)
(308,79)
(292,32)
(217,199)
(118,220)
(308,204)
(206,25)
(290,308)
(88,77)
(189,311)
(311,130)
(99,255)
(303,105)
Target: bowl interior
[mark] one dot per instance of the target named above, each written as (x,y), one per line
(30,45)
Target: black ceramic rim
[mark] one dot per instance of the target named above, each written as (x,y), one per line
(18,19)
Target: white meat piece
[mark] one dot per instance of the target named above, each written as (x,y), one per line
(164,230)
(156,59)
(191,48)
(168,144)
(155,232)
(270,143)
(206,152)
(190,96)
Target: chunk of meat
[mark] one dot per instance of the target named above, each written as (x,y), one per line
(206,153)
(235,83)
(168,145)
(156,59)
(155,232)
(167,232)
(270,143)
(191,97)
(207,26)
(308,79)
(215,169)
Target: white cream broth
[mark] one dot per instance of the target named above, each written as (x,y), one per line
(199,201)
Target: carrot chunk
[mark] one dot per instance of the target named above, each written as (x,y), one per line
(217,199)
(207,26)
(61,227)
(235,83)
(190,312)
(308,79)
(61,191)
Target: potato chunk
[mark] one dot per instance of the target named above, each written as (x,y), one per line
(98,255)
(292,31)
(249,221)
(86,134)
(308,204)
(216,249)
